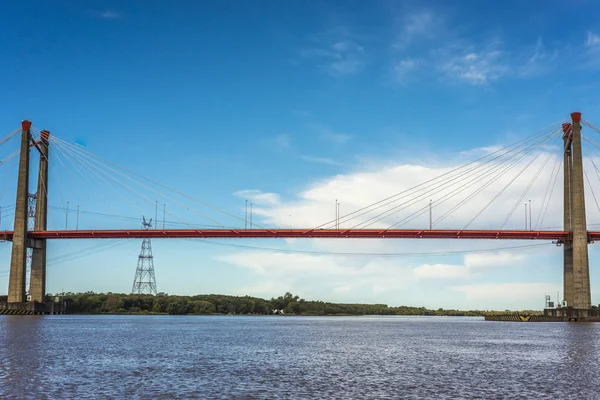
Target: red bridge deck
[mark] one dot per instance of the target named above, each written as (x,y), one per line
(301,233)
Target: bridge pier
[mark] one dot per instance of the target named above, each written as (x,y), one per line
(577,295)
(18,260)
(17,295)
(37,281)
(568,243)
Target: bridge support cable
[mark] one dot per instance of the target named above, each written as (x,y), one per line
(9,157)
(548,193)
(439,186)
(589,124)
(105,162)
(102,194)
(504,169)
(522,197)
(483,187)
(6,212)
(470,179)
(587,179)
(433,181)
(10,136)
(88,159)
(80,166)
(591,154)
(434,187)
(94,166)
(58,186)
(98,169)
(489,177)
(502,173)
(594,153)
(491,172)
(118,217)
(4,178)
(596,170)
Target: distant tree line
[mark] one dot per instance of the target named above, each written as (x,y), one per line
(288,304)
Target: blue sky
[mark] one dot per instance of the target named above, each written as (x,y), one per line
(292,105)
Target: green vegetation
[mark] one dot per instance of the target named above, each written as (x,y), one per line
(96,303)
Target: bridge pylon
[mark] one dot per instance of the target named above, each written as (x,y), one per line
(18,260)
(37,281)
(577,294)
(18,301)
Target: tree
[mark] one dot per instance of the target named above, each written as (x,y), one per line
(178,306)
(202,307)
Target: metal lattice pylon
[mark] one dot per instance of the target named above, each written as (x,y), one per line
(145,281)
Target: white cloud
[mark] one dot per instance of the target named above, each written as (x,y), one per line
(441,271)
(337,138)
(487,260)
(404,68)
(339,274)
(343,288)
(259,198)
(414,26)
(282,141)
(473,65)
(440,48)
(472,262)
(109,14)
(536,62)
(338,51)
(481,151)
(320,160)
(539,52)
(382,276)
(419,23)
(593,39)
(314,205)
(266,289)
(328,134)
(501,293)
(592,51)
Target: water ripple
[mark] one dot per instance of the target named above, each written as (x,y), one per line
(162,357)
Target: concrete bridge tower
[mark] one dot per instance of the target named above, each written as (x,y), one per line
(17,296)
(576,264)
(18,260)
(37,281)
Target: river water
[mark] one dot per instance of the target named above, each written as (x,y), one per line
(230,357)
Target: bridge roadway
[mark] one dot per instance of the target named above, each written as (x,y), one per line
(302,233)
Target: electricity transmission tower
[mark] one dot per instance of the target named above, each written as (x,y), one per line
(144,281)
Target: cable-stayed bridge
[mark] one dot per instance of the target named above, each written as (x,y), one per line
(482,186)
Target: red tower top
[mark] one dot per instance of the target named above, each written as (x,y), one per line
(566,128)
(45,135)
(576,116)
(25,125)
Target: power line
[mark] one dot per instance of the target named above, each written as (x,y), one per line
(420,254)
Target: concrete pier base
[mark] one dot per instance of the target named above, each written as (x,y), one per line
(559,314)
(31,308)
(541,318)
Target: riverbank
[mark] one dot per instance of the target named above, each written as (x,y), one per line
(218,304)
